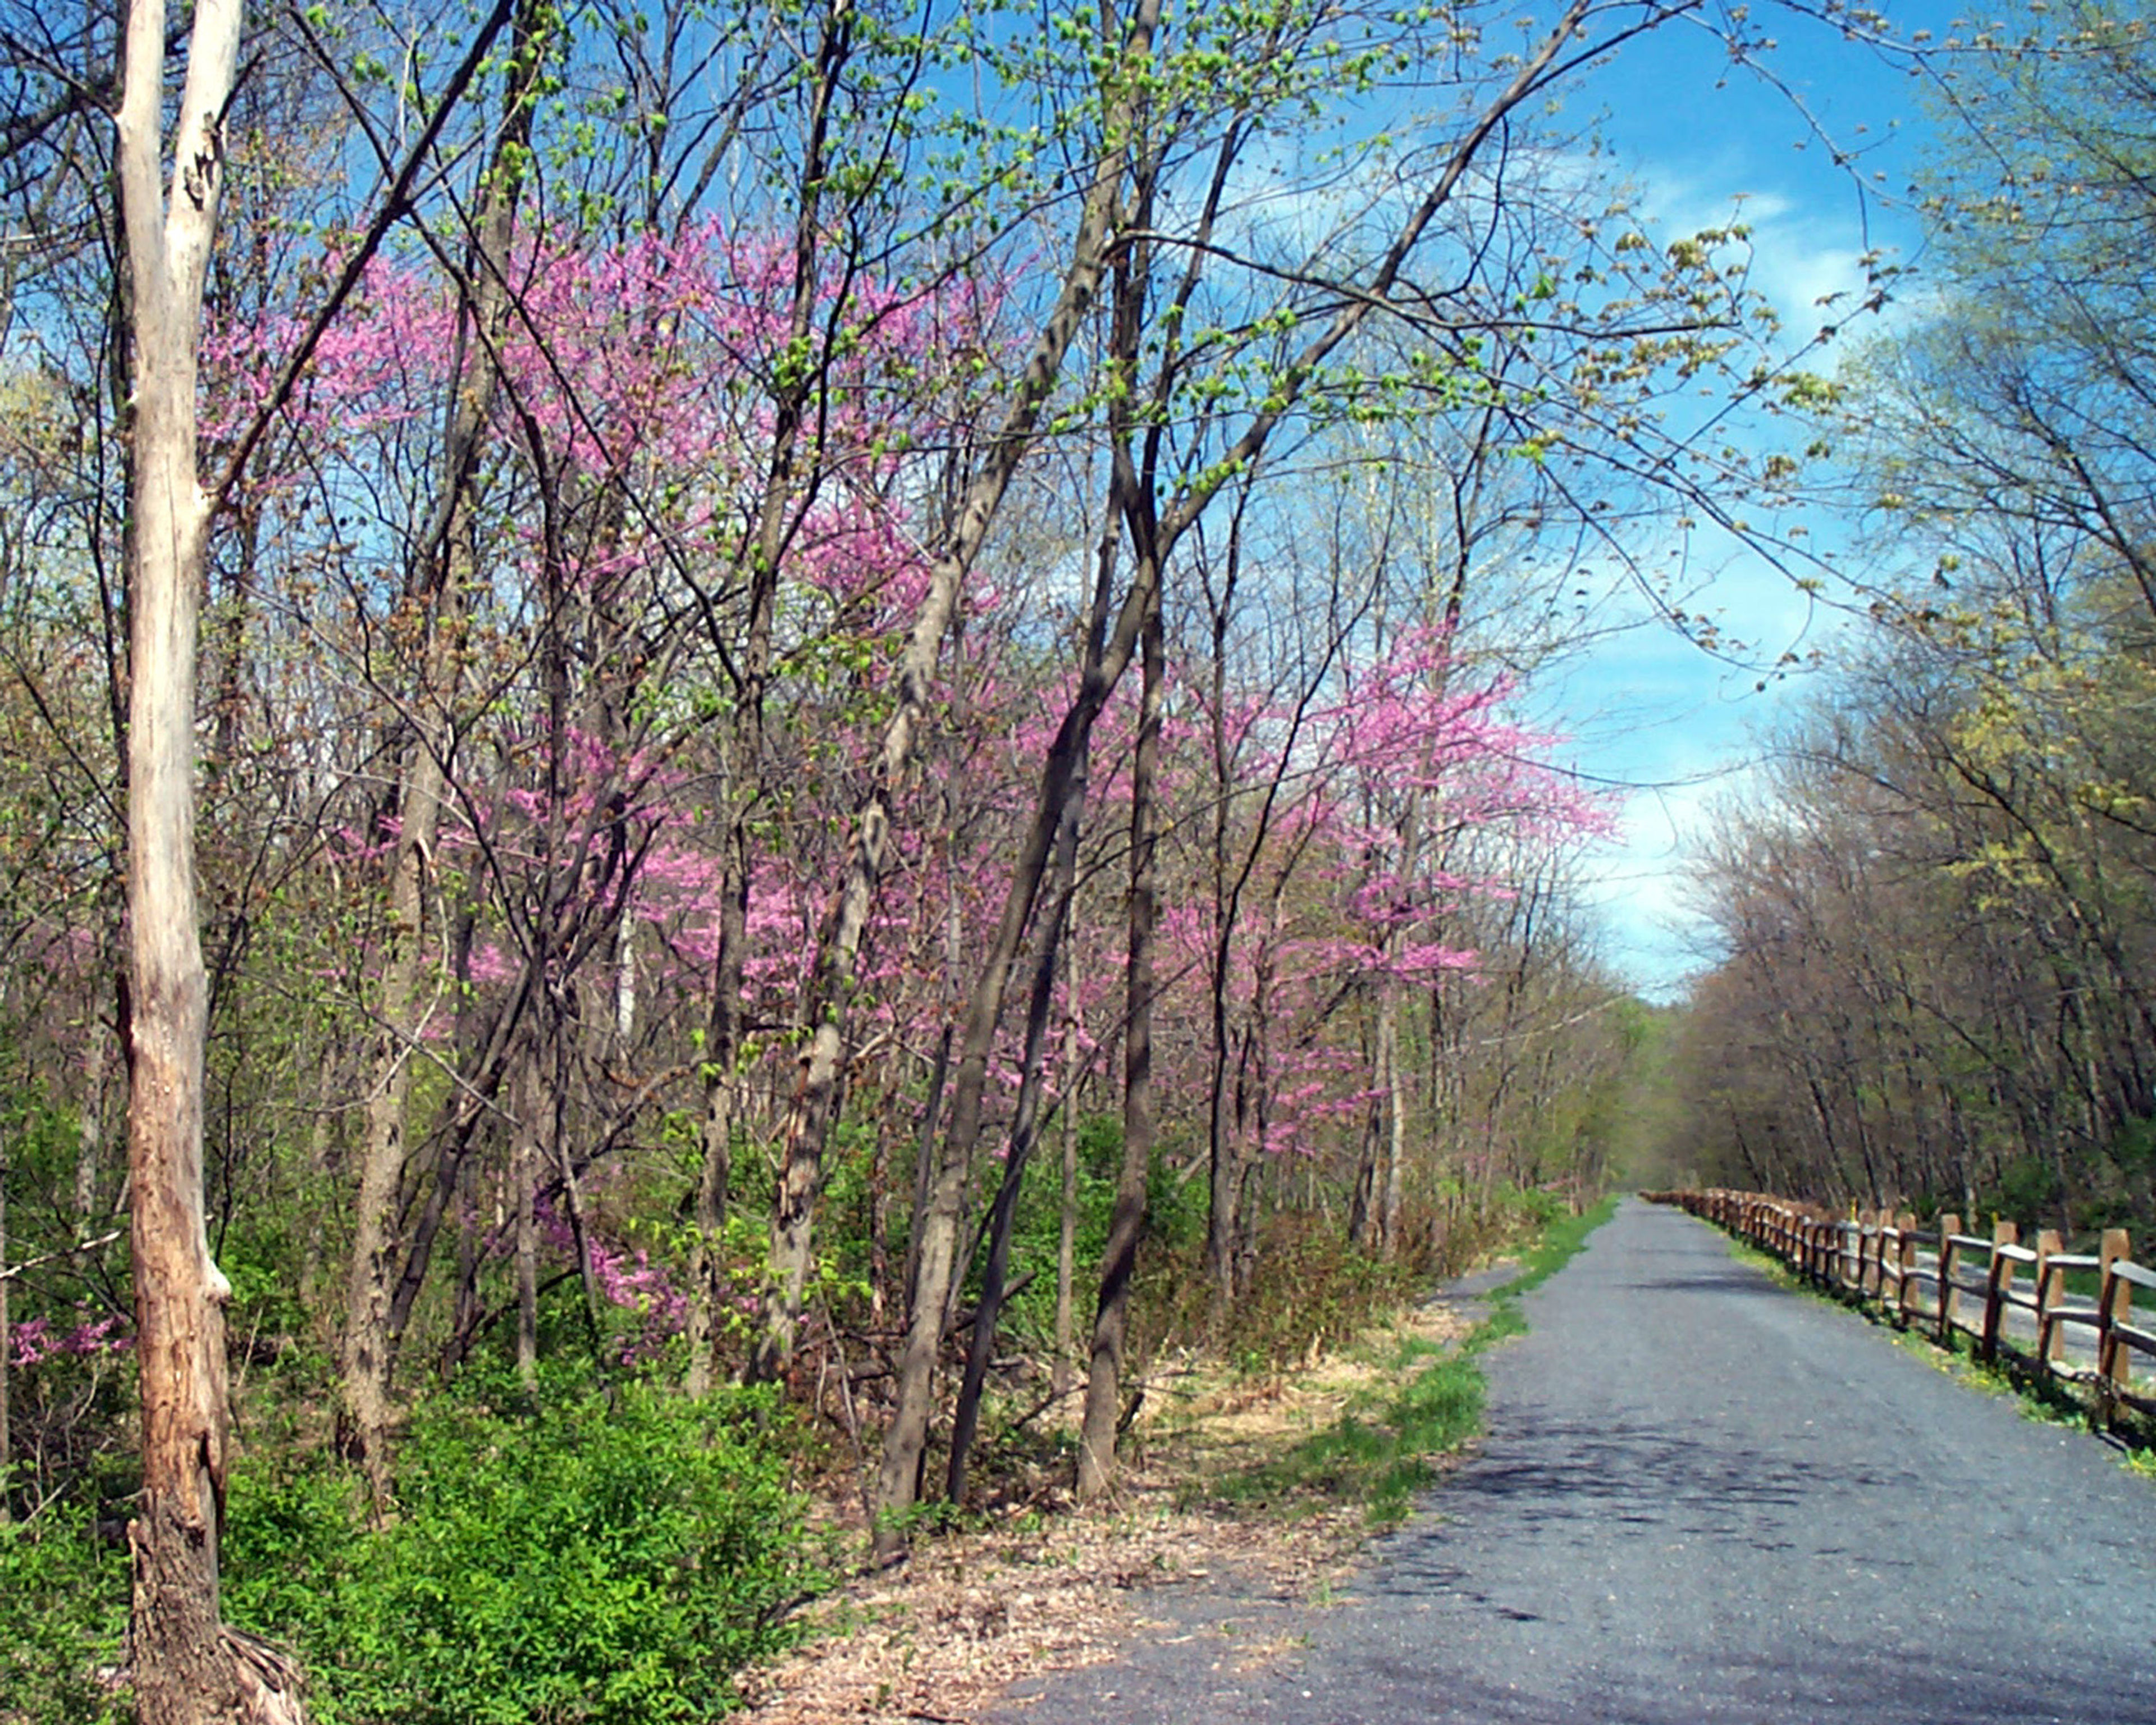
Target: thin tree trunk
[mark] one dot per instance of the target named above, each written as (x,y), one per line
(811,1114)
(965,1418)
(89,1126)
(1221,1146)
(524,1194)
(474,1100)
(1096,1443)
(1066,1236)
(937,1269)
(1363,1205)
(321,1176)
(1396,1138)
(434,590)
(714,1179)
(1063,778)
(925,1140)
(745,749)
(7,1513)
(624,983)
(467,1310)
(721,1055)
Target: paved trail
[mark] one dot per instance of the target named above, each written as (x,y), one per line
(1703,1499)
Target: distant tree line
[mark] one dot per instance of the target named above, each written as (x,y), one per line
(1936,910)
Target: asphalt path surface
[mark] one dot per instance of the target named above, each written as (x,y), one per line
(1703,1498)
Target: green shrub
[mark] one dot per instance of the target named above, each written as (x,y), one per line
(2028,1192)
(1029,1318)
(1537,1207)
(575,1559)
(66,1593)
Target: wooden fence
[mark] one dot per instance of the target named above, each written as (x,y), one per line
(1940,1280)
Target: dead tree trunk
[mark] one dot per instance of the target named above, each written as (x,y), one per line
(185,1673)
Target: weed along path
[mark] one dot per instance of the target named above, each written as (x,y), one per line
(1703,1497)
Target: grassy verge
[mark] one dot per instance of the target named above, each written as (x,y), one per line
(1390,1441)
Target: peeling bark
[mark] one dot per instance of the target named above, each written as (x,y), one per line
(186,1671)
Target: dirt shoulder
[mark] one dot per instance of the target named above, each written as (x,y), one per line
(1046,1588)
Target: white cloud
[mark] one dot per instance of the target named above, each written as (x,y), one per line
(1673,730)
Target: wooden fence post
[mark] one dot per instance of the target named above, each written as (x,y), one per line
(1998,1282)
(2114,1360)
(1905,1261)
(1949,1297)
(2050,1290)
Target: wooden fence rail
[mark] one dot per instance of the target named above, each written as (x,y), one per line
(2009,1299)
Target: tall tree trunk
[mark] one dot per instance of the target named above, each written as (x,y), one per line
(185,1672)
(322,1168)
(6,1482)
(434,593)
(89,1123)
(475,1101)
(1221,1146)
(714,1141)
(1362,1204)
(1059,797)
(1066,1232)
(745,753)
(1389,1076)
(524,1106)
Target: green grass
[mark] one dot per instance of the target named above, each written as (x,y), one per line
(1386,1446)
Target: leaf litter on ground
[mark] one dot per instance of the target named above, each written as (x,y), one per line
(1040,1587)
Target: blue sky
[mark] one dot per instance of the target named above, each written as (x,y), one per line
(1645,708)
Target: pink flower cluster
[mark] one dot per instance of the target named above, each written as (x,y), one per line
(625,1278)
(34,1340)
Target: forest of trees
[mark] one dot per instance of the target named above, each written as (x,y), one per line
(742,732)
(1935,906)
